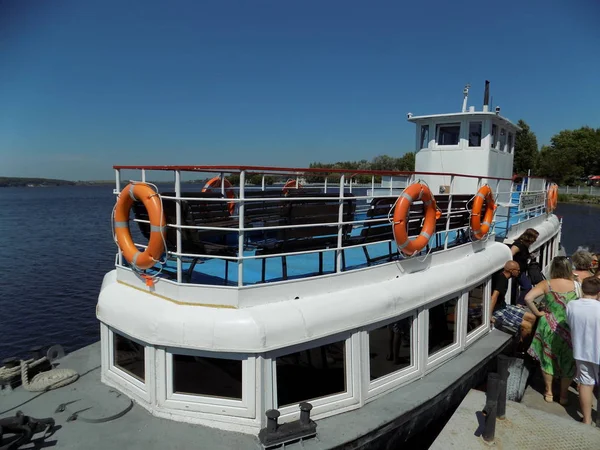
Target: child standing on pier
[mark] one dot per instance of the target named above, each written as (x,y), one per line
(583,316)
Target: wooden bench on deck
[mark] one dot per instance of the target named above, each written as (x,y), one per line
(303,212)
(196,213)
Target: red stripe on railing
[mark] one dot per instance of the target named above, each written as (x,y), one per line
(298,170)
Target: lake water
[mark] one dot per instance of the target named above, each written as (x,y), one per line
(56,246)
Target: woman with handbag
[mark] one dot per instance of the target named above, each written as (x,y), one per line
(551,344)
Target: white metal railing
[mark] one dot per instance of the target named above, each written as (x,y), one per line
(505,191)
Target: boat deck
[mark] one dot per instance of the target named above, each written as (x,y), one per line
(528,425)
(409,408)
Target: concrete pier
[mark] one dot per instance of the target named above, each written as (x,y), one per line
(528,425)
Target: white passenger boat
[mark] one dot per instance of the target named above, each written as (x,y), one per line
(296,310)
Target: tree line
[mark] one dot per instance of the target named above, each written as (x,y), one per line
(570,158)
(381,162)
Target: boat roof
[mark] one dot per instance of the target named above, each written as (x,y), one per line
(471,114)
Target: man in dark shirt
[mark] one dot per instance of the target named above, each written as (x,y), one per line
(509,316)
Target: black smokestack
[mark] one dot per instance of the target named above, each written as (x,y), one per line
(486,95)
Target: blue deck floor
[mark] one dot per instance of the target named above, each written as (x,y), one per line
(213,271)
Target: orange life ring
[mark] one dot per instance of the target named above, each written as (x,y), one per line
(552,197)
(151,200)
(215,183)
(478,228)
(411,194)
(291,184)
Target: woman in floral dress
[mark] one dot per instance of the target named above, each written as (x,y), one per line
(551,345)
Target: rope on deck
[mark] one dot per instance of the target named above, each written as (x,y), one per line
(45,381)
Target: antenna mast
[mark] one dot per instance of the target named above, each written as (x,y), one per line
(465,97)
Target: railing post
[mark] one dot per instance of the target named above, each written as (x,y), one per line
(240,229)
(143,175)
(338,252)
(567,188)
(490,409)
(325,186)
(503,362)
(222,177)
(117,191)
(263,183)
(372,187)
(178,223)
(449,212)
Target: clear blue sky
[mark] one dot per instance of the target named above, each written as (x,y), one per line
(88,84)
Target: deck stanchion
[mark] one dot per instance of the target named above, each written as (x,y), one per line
(490,409)
(448,212)
(178,223)
(338,252)
(117,191)
(503,362)
(240,229)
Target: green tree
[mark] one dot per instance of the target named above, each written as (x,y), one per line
(582,146)
(526,150)
(556,165)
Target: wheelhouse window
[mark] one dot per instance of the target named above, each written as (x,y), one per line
(390,348)
(442,326)
(502,140)
(212,377)
(493,143)
(475,134)
(129,356)
(424,136)
(311,374)
(510,143)
(448,134)
(475,308)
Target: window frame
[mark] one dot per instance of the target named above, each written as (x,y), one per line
(484,328)
(141,388)
(246,407)
(441,356)
(494,137)
(480,122)
(327,405)
(421,129)
(511,142)
(399,377)
(502,138)
(437,134)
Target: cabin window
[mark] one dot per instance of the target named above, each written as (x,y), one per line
(475,308)
(442,325)
(129,356)
(213,377)
(311,374)
(475,134)
(493,143)
(390,348)
(448,134)
(424,136)
(502,140)
(510,143)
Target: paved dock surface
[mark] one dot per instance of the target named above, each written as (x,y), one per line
(551,426)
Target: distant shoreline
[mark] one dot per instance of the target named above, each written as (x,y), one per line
(46,182)
(582,199)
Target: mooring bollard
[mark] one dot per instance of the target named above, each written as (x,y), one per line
(503,362)
(272,416)
(305,413)
(491,405)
